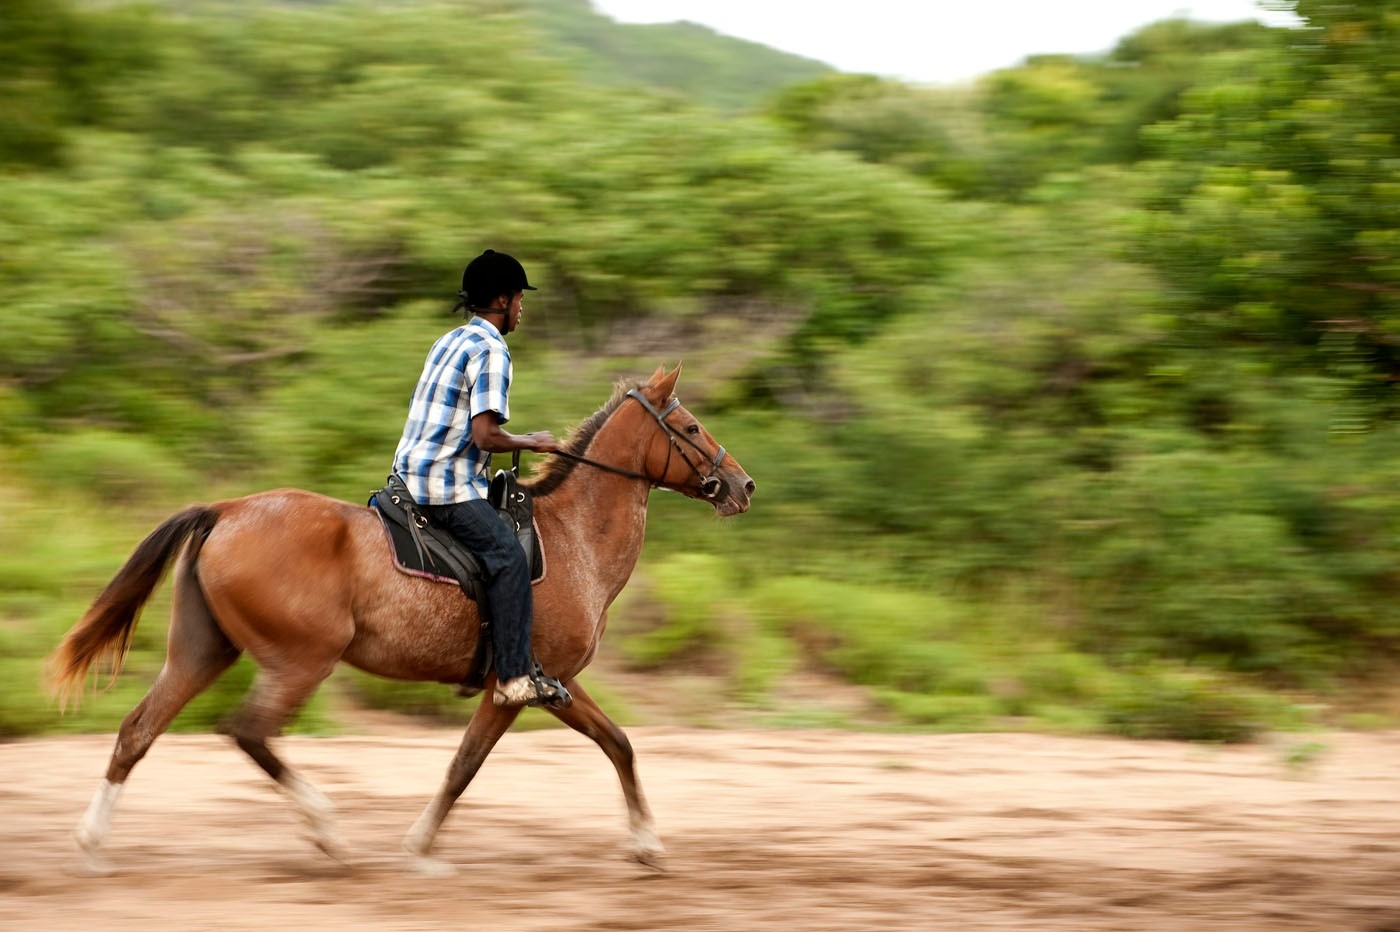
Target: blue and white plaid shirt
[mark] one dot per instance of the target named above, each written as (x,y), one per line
(467,372)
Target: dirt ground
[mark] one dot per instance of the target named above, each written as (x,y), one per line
(804,830)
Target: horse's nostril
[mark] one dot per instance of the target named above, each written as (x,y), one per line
(749,487)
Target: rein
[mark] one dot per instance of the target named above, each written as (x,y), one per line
(709,485)
(615,470)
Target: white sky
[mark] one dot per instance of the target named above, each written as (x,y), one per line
(933,41)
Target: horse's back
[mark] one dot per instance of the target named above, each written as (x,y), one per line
(287,505)
(280,565)
(284,530)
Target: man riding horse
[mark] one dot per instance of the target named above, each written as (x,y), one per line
(444,456)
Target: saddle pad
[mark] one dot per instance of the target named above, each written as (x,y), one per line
(434,564)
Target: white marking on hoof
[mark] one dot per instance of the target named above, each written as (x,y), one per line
(93,864)
(318,813)
(419,840)
(430,867)
(92,830)
(648,849)
(653,860)
(333,847)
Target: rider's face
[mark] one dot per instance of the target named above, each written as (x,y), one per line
(517,306)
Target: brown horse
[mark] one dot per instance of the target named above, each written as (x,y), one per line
(301,582)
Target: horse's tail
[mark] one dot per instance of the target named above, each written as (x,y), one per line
(107,627)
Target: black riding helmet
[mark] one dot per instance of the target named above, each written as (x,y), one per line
(491,275)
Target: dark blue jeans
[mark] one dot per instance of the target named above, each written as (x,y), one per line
(477,526)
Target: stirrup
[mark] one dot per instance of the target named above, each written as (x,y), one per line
(549,692)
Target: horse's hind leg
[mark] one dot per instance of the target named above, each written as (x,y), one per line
(276,694)
(585,717)
(197,653)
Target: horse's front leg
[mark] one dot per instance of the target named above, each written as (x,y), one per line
(585,717)
(488,723)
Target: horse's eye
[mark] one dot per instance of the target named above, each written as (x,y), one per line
(693,429)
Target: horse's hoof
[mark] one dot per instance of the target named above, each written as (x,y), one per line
(92,864)
(332,847)
(654,858)
(647,848)
(430,867)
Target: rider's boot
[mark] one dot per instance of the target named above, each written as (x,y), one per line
(534,688)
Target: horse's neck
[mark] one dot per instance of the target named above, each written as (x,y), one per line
(603,518)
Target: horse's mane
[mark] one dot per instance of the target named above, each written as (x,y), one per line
(548,476)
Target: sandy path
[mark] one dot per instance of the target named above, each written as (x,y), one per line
(766,830)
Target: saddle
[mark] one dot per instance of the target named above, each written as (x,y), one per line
(421,548)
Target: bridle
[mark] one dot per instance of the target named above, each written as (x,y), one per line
(708,485)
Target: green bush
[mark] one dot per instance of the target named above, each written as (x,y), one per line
(1184,706)
(436,701)
(1064,677)
(942,712)
(677,612)
(686,614)
(872,634)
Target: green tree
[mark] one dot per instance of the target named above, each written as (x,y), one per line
(1277,218)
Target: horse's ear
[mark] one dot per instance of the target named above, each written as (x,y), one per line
(667,382)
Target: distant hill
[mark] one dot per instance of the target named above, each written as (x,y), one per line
(690,59)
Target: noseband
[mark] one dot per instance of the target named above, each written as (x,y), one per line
(708,485)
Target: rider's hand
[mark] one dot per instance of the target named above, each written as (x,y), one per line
(541,441)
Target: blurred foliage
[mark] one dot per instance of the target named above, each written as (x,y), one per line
(1071,395)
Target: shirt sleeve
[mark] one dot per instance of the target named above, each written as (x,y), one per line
(491,390)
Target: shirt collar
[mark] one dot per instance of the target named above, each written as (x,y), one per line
(484,324)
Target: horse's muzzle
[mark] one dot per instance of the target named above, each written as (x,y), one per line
(733,495)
